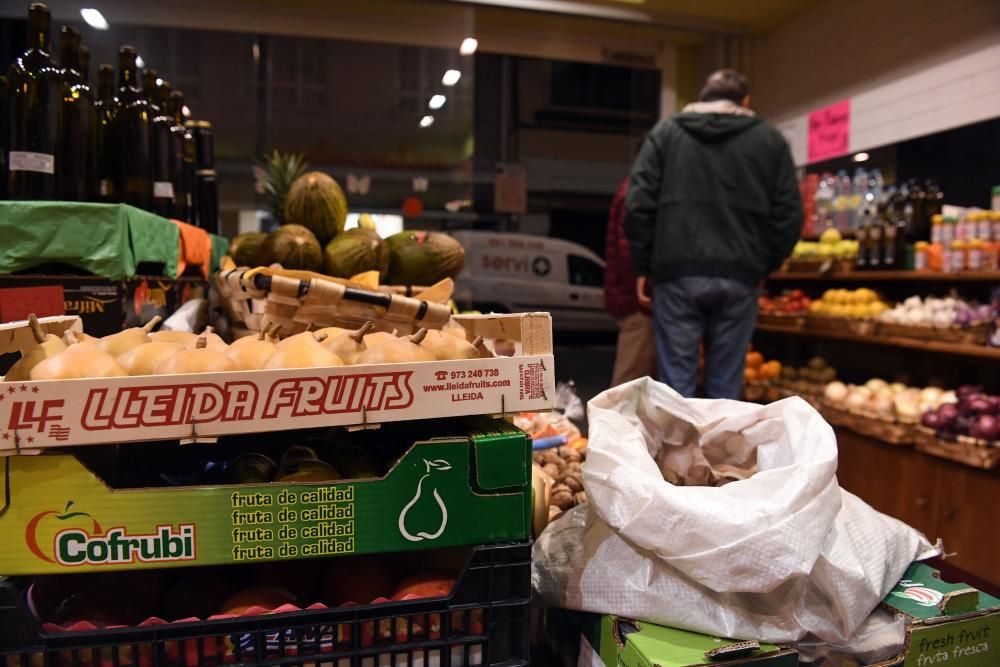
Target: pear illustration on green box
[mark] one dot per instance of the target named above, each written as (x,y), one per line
(437,465)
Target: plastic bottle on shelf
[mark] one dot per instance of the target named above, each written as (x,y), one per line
(948,226)
(859,198)
(824,200)
(957,261)
(974,259)
(861,261)
(920,255)
(995,223)
(935,251)
(984,226)
(842,191)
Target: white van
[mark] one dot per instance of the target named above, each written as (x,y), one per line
(519,273)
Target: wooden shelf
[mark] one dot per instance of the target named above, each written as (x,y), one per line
(972,351)
(887,276)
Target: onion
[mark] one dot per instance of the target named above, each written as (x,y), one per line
(931,419)
(980,404)
(967,389)
(947,414)
(986,427)
(835,392)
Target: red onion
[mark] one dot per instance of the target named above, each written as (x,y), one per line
(986,427)
(947,414)
(931,419)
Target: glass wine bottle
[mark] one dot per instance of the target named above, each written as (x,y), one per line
(33,127)
(182,161)
(107,146)
(132,129)
(159,150)
(74,149)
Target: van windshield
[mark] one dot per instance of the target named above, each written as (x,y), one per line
(585,272)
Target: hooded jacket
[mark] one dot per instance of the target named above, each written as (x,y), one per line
(712,193)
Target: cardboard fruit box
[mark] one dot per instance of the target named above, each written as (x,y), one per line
(599,640)
(462,482)
(946,624)
(35,416)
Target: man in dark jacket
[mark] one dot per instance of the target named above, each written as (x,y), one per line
(635,355)
(713,207)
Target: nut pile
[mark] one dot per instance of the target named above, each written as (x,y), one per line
(563,465)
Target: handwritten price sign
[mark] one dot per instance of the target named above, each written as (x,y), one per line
(830,131)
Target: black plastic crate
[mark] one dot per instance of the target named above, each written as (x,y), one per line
(485,621)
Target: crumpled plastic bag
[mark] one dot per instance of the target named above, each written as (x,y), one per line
(782,555)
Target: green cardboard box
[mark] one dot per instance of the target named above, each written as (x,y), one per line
(947,624)
(621,642)
(469,484)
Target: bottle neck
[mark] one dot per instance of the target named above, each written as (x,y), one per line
(69,56)
(126,76)
(178,109)
(38,34)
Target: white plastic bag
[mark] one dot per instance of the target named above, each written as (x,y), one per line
(781,556)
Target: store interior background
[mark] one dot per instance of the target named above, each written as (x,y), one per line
(564,89)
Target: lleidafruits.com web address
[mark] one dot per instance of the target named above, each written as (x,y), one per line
(470,384)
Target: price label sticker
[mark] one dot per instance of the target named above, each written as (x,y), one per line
(43,163)
(16,303)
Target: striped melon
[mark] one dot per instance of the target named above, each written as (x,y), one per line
(316,202)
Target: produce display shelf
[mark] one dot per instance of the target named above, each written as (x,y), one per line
(484,621)
(974,351)
(886,276)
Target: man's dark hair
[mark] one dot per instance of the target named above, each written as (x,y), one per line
(725,84)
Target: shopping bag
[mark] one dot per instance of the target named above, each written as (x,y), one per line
(772,550)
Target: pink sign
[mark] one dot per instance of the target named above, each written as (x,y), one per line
(830,131)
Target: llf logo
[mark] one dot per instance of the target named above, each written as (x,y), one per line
(28,415)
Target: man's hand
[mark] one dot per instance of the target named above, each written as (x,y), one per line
(641,293)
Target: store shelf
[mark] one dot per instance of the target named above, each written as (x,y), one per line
(887,276)
(974,351)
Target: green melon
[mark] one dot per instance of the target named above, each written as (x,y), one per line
(245,248)
(423,258)
(355,251)
(316,202)
(294,247)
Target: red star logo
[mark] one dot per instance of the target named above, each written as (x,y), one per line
(6,436)
(31,439)
(24,387)
(34,390)
(11,390)
(2,397)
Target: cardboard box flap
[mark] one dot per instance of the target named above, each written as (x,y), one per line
(16,336)
(923,596)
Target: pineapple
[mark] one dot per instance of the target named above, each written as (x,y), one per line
(280,170)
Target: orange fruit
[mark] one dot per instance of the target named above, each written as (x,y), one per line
(770,370)
(750,374)
(754,359)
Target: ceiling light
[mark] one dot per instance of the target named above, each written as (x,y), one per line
(426,121)
(469,46)
(437,101)
(451,77)
(139,62)
(186,111)
(860,157)
(94,18)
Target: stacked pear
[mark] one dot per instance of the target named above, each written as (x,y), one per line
(303,351)
(446,347)
(403,350)
(46,346)
(252,352)
(78,360)
(212,341)
(119,343)
(349,346)
(198,359)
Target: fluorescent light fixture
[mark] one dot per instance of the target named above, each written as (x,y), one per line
(469,46)
(139,62)
(426,121)
(451,77)
(437,101)
(186,111)
(861,157)
(94,18)
(159,81)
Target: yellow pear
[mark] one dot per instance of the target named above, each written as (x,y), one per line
(268,333)
(123,341)
(46,346)
(449,348)
(399,351)
(305,352)
(453,328)
(144,359)
(298,338)
(379,337)
(332,332)
(179,337)
(253,351)
(212,341)
(349,345)
(78,360)
(480,345)
(197,359)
